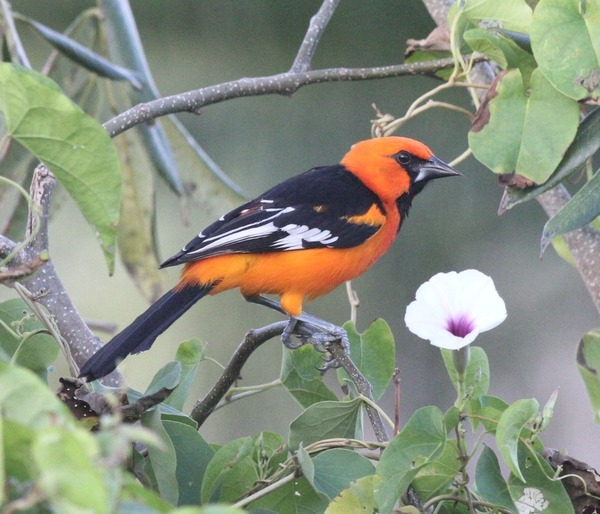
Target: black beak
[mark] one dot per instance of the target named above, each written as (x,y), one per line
(435,168)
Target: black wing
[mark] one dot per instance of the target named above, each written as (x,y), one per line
(311,210)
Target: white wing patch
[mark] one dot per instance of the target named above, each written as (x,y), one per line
(298,234)
(237,236)
(247,232)
(293,236)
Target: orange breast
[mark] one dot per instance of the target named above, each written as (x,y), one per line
(296,274)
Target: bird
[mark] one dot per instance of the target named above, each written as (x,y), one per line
(298,240)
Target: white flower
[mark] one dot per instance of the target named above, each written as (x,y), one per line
(452,309)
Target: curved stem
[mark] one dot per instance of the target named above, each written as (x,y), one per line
(381,412)
(265,491)
(33,212)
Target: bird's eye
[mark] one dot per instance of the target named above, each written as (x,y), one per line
(403,157)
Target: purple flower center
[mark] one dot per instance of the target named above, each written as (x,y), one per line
(460,326)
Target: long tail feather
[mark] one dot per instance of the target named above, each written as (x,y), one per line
(141,334)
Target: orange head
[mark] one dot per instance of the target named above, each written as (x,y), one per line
(394,166)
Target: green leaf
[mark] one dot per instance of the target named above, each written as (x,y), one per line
(189,354)
(489,481)
(136,235)
(169,376)
(86,57)
(325,420)
(588,362)
(3,463)
(490,408)
(300,376)
(306,466)
(421,441)
(167,412)
(523,131)
(433,478)
(523,40)
(26,399)
(36,352)
(452,417)
(585,144)
(17,441)
(565,38)
(295,497)
(336,469)
(224,461)
(359,498)
(193,455)
(373,352)
(269,452)
(68,475)
(135,496)
(71,144)
(512,422)
(477,375)
(508,14)
(163,460)
(580,210)
(502,50)
(538,490)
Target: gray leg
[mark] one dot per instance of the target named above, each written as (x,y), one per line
(320,333)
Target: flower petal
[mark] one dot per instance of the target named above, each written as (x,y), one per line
(451,305)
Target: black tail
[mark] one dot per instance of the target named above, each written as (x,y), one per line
(141,334)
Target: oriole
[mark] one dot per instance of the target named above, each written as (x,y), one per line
(299,240)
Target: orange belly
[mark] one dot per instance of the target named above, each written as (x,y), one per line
(295,275)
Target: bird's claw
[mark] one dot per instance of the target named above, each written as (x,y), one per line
(330,363)
(286,335)
(322,341)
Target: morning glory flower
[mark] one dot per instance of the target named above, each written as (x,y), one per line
(452,309)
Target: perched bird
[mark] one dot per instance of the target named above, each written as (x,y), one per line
(299,240)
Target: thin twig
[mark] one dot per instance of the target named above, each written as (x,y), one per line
(353,300)
(14,42)
(452,498)
(317,26)
(265,491)
(364,387)
(396,380)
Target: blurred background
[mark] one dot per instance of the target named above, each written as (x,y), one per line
(258,142)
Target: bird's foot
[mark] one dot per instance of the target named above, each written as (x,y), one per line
(321,334)
(309,329)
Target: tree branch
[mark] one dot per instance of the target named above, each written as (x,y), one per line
(46,286)
(307,326)
(583,243)
(253,339)
(282,84)
(317,26)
